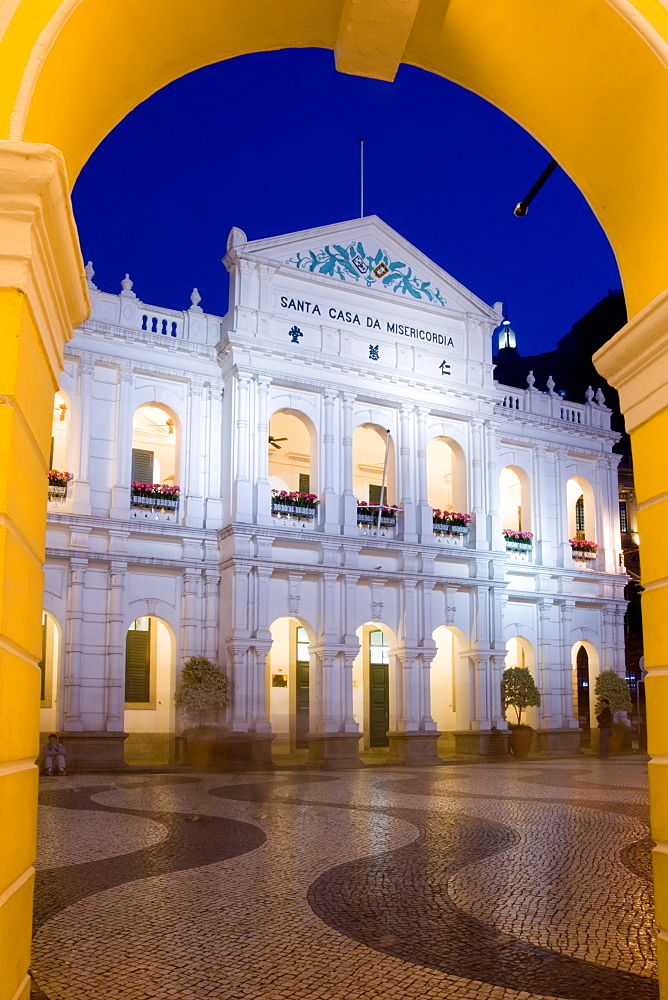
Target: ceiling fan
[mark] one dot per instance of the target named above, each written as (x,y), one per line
(273,440)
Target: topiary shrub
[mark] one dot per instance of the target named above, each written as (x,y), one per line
(613,687)
(203,687)
(519,691)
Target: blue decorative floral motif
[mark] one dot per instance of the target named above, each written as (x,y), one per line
(352,262)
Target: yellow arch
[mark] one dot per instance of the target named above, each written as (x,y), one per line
(587,78)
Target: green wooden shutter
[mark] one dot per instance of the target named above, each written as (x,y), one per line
(138,666)
(304,482)
(374,495)
(142,466)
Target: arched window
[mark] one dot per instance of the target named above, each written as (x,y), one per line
(154,445)
(59,432)
(581,510)
(446,475)
(514,490)
(369,446)
(291,452)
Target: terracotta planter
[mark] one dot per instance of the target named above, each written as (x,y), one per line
(520,742)
(202,745)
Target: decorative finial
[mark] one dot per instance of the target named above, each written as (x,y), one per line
(195,298)
(550,385)
(600,398)
(126,287)
(531,380)
(236,238)
(589,394)
(90,274)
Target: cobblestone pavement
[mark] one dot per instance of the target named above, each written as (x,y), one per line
(511,881)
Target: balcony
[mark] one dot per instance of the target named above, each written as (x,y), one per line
(154,502)
(294,510)
(370,523)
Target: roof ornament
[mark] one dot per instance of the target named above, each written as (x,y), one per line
(589,395)
(531,381)
(195,299)
(600,398)
(550,385)
(236,238)
(126,287)
(89,271)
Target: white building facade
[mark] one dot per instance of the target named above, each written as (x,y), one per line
(346,360)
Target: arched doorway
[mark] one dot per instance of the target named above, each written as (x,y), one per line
(374,684)
(49,666)
(450,692)
(149,716)
(585,670)
(289,683)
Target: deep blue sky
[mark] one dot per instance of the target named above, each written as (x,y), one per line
(270,143)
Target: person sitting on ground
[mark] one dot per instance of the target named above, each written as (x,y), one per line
(54,752)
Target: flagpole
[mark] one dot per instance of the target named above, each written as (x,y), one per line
(382,485)
(361,178)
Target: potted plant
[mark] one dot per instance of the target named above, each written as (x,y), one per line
(613,687)
(520,541)
(519,691)
(201,690)
(450,522)
(58,484)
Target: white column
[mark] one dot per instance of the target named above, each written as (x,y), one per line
(212,479)
(330,507)
(548,668)
(263,489)
(120,491)
(407,486)
(481,712)
(238,658)
(242,504)
(258,694)
(349,499)
(479,521)
(211,591)
(74,646)
(192,437)
(115,659)
(492,483)
(190,645)
(81,485)
(425,515)
(568,716)
(539,490)
(608,652)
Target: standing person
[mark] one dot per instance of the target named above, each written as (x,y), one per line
(604,719)
(54,752)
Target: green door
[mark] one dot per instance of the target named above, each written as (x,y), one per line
(301,684)
(379,690)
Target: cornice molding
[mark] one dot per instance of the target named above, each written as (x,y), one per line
(40,254)
(635,362)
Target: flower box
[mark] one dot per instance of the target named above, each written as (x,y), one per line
(57,491)
(368,514)
(514,545)
(443,528)
(154,501)
(583,554)
(280,509)
(583,549)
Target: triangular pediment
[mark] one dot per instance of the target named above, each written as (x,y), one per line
(367,254)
